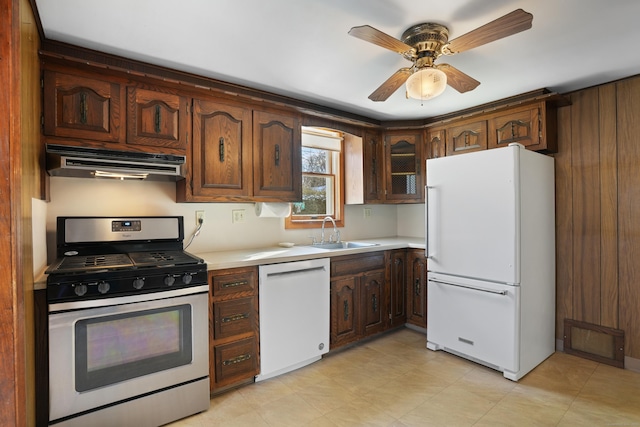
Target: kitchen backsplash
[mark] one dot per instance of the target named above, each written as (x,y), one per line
(88,197)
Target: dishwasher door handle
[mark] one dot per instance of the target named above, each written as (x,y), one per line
(297,271)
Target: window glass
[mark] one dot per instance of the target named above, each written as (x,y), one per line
(321,178)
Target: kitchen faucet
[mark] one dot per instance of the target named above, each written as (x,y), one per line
(336,233)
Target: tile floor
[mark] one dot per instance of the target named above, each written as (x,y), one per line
(395,381)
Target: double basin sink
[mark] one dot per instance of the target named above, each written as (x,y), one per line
(343,245)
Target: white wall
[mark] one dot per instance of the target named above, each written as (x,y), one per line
(411,220)
(92,197)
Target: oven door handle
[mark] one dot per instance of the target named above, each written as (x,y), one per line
(128,299)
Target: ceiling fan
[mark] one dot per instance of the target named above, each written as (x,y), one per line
(423,43)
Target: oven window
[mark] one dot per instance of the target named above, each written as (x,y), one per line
(116,348)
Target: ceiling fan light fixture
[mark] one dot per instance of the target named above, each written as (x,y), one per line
(426,83)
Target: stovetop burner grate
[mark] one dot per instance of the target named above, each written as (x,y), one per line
(93,262)
(162,258)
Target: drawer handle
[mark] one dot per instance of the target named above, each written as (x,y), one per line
(241,358)
(234,284)
(235,317)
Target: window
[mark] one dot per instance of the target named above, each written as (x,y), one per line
(321,179)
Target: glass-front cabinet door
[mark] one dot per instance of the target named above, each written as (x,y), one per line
(404,169)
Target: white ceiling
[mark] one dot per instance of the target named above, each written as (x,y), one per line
(301,49)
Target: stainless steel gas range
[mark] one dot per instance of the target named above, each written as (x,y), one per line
(128,323)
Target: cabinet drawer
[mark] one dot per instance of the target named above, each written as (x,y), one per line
(235,281)
(233,317)
(357,264)
(477,319)
(235,360)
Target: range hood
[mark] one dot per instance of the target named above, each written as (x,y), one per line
(83,162)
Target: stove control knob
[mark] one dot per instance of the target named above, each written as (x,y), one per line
(103,287)
(169,280)
(187,278)
(80,289)
(138,282)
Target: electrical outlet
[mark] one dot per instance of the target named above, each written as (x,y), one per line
(367,212)
(199,217)
(237,215)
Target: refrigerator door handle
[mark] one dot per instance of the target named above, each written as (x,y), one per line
(490,291)
(426,221)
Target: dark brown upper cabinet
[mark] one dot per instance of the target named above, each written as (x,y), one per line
(156,118)
(404,171)
(277,145)
(83,108)
(220,161)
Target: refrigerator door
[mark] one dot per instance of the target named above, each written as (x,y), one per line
(472,211)
(477,320)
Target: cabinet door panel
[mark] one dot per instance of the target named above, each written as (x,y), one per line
(277,152)
(83,108)
(156,119)
(373,167)
(417,288)
(467,137)
(343,311)
(520,126)
(398,285)
(372,302)
(436,143)
(404,171)
(221,155)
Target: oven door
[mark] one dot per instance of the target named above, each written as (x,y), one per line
(133,346)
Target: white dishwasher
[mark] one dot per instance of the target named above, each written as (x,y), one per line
(294,315)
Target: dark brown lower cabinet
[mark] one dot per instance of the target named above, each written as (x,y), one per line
(397,279)
(416,287)
(234,357)
(343,321)
(358,297)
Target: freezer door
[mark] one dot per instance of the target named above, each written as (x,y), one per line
(474,319)
(471,214)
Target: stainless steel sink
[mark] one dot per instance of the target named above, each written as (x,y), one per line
(344,245)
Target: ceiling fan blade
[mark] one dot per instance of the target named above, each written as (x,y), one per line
(391,85)
(509,24)
(457,79)
(377,37)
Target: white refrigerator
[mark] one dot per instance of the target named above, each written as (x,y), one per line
(490,244)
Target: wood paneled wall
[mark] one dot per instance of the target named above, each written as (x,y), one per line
(32,185)
(598,210)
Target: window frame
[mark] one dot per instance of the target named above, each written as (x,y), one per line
(312,221)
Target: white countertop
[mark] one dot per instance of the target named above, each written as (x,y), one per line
(274,254)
